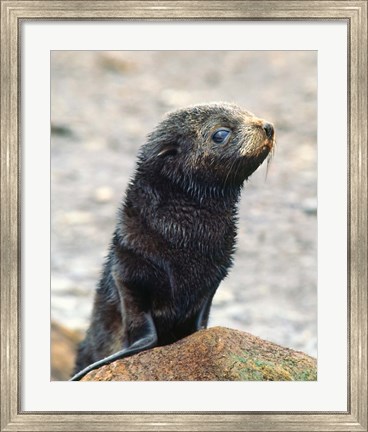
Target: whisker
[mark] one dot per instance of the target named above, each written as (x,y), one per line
(269,159)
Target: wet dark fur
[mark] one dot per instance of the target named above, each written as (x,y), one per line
(176,231)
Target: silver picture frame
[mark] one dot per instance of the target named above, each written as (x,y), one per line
(12,15)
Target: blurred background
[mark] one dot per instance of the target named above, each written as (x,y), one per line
(103,104)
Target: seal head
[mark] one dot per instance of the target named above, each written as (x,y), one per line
(217,145)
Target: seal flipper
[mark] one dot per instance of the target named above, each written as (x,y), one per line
(143,338)
(202,317)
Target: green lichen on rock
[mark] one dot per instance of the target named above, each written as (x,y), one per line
(253,369)
(250,368)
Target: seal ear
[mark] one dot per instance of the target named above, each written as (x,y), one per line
(169,150)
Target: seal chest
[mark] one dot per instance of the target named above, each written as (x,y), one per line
(176,230)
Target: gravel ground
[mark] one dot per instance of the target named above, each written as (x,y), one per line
(105,103)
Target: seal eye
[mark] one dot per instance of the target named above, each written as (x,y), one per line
(220,136)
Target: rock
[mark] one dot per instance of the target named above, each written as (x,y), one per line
(61,130)
(77,217)
(215,354)
(103,194)
(63,348)
(309,206)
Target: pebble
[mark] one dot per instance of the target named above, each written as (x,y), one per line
(103,194)
(309,206)
(78,217)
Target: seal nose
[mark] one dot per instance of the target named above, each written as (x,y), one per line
(268,128)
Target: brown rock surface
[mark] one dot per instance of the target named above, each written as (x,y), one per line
(215,354)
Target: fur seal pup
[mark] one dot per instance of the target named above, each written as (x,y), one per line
(175,234)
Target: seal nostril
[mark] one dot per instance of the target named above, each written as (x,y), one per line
(268,128)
